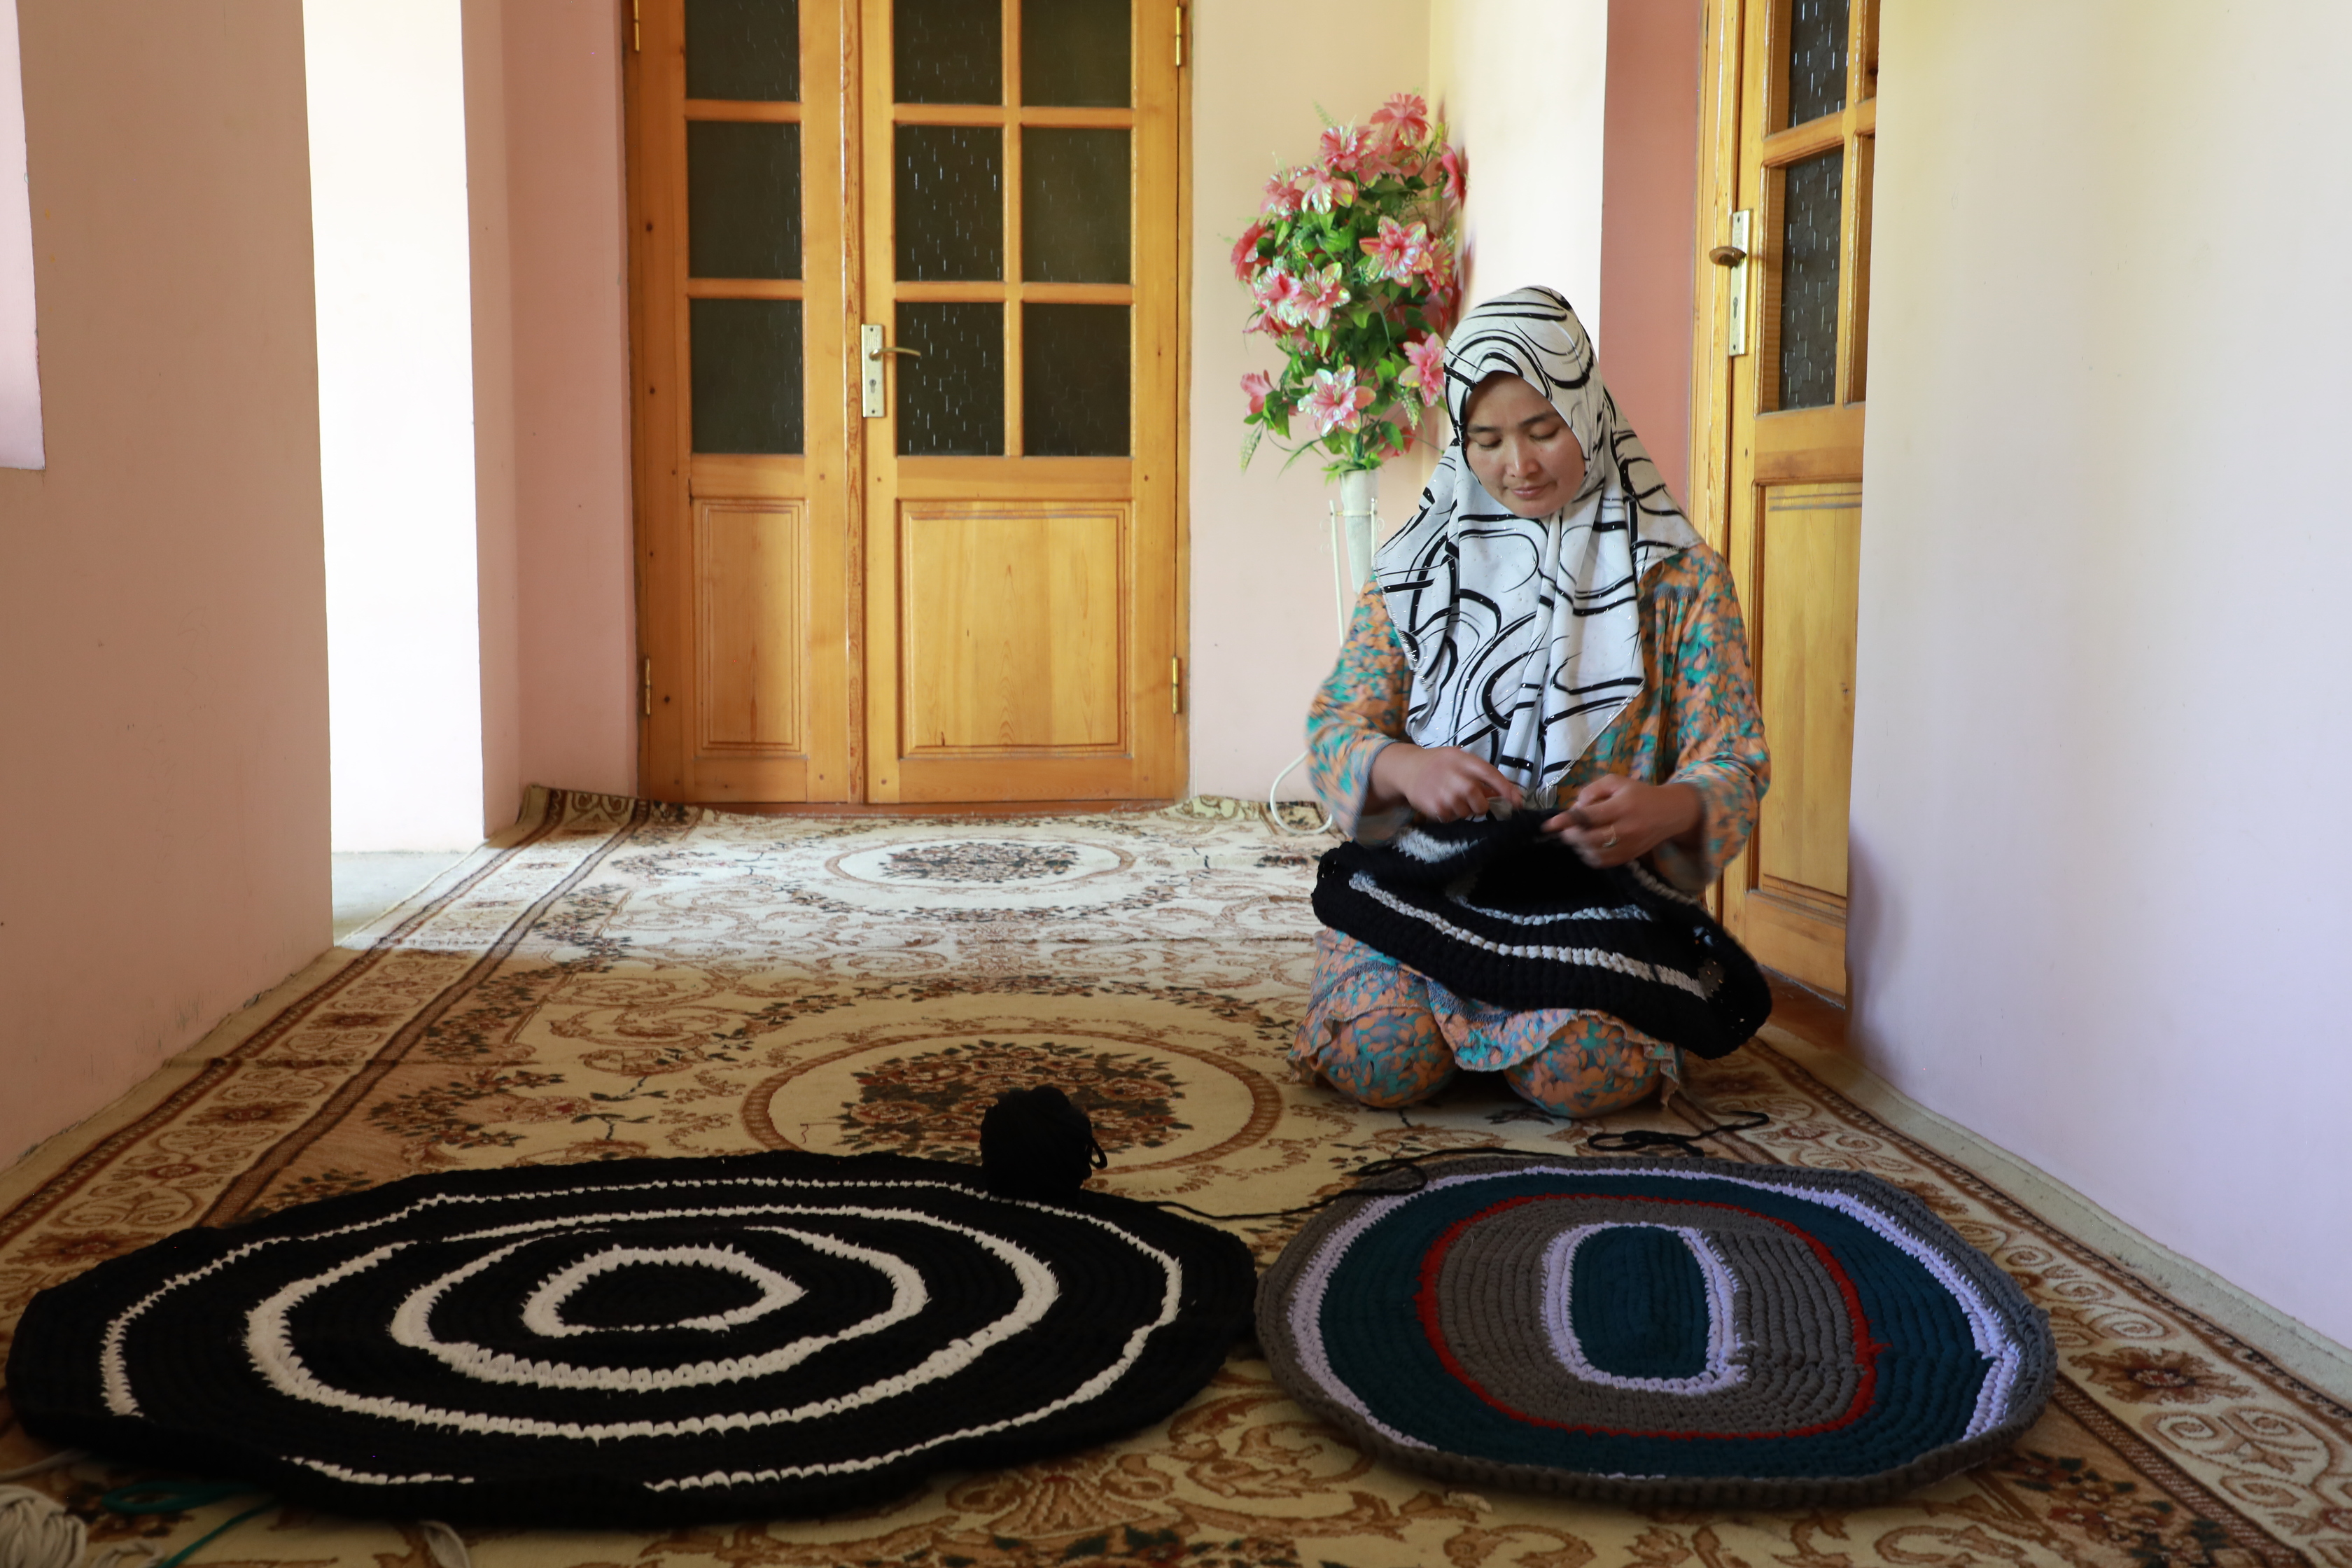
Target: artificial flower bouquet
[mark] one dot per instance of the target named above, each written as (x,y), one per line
(1353,268)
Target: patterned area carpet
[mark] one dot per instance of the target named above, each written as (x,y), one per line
(615,978)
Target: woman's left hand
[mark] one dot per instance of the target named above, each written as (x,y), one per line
(1615,820)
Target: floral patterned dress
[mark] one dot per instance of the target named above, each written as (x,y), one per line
(1387,1035)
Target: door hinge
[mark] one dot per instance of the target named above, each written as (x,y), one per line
(1180,38)
(637,34)
(1176,685)
(646,689)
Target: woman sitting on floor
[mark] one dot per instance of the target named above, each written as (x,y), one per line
(1548,632)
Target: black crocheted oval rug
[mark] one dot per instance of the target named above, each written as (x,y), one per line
(1680,1332)
(637,1343)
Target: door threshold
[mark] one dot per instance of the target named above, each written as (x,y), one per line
(1807,1012)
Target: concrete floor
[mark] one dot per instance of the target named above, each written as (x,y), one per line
(369,882)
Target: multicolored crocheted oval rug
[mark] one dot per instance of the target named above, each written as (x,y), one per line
(1656,1332)
(641,1342)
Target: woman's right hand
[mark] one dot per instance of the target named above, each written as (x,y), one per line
(1443,785)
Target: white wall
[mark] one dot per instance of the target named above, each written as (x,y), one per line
(2100,912)
(1524,86)
(1263,618)
(387,121)
(20,368)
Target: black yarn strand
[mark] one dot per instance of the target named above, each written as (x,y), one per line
(1636,1139)
(1412,1163)
(1036,1143)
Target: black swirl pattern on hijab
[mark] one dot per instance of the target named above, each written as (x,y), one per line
(1525,633)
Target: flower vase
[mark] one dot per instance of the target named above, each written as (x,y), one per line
(1359,505)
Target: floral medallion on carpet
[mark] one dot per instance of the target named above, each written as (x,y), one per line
(615,978)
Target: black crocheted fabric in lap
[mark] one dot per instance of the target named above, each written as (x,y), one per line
(1657,1332)
(635,1344)
(1494,911)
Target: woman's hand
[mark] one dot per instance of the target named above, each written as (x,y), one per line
(1443,785)
(1615,820)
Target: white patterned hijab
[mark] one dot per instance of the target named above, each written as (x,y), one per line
(1525,633)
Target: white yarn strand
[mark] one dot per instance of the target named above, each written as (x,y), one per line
(444,1544)
(35,1531)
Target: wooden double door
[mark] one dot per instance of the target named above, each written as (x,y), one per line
(1790,116)
(906,333)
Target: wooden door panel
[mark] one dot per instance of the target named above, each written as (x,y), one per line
(1809,571)
(751,627)
(1013,627)
(1809,444)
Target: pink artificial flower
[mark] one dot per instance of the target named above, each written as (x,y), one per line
(1335,402)
(1282,194)
(1319,294)
(1324,192)
(1257,387)
(1345,148)
(1424,368)
(1457,174)
(1406,115)
(1397,250)
(1246,252)
(1276,293)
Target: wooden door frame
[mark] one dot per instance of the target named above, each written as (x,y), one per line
(1722,29)
(651,456)
(1739,45)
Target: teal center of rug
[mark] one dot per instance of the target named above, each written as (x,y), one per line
(1637,1302)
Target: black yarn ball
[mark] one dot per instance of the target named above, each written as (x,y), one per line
(1036,1144)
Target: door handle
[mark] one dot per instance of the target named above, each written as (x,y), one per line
(1734,259)
(874,354)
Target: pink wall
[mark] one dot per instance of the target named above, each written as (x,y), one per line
(568,382)
(1648,205)
(164,786)
(1263,621)
(498,564)
(545,181)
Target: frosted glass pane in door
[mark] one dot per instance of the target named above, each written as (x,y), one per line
(1817,35)
(951,203)
(1075,364)
(1075,53)
(951,400)
(743,200)
(1809,281)
(1074,206)
(743,50)
(948,51)
(747,374)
